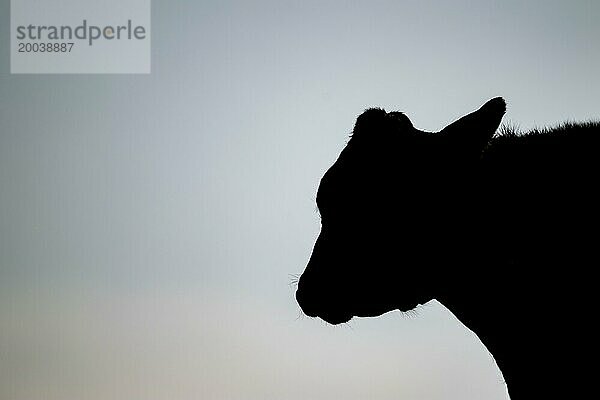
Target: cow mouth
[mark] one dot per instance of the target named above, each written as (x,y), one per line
(331,317)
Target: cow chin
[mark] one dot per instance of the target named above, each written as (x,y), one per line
(335,318)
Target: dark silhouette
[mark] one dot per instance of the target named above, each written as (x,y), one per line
(501,230)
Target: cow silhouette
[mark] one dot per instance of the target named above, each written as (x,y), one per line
(502,230)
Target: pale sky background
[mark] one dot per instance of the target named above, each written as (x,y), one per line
(149,224)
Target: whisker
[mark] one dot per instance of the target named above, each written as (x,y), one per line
(294,279)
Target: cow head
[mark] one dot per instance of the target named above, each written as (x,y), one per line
(391,211)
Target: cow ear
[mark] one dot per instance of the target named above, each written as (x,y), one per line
(472,132)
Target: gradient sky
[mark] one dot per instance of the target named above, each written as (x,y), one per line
(149,224)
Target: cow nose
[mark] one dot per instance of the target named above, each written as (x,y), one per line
(304,301)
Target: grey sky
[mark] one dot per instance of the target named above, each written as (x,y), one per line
(149,224)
